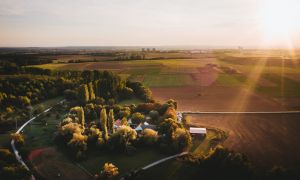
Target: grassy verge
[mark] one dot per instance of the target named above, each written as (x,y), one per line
(124,162)
(176,169)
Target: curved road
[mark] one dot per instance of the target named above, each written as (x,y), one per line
(163,160)
(16,152)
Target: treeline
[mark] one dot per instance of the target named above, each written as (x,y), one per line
(18,92)
(24,59)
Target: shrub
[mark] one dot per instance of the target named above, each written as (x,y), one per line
(122,138)
(109,171)
(149,137)
(181,140)
(154,115)
(137,118)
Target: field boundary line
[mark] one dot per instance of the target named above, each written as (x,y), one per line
(237,112)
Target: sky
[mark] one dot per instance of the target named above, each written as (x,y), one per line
(252,23)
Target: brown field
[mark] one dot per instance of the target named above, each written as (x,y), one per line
(267,139)
(216,98)
(224,85)
(50,162)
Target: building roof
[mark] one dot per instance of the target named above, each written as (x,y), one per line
(195,130)
(139,128)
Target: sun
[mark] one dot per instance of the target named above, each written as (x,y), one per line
(277,20)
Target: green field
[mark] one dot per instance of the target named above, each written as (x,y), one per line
(130,101)
(271,75)
(231,80)
(124,162)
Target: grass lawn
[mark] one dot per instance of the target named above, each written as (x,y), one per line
(38,134)
(130,101)
(48,103)
(5,140)
(124,162)
(36,130)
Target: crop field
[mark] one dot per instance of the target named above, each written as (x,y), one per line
(267,139)
(261,80)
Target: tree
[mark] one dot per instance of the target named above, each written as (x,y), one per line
(181,140)
(25,101)
(111,101)
(91,91)
(168,127)
(154,115)
(173,103)
(126,93)
(18,138)
(80,114)
(111,120)
(149,137)
(87,75)
(170,113)
(122,138)
(78,144)
(94,134)
(137,118)
(109,171)
(103,123)
(124,121)
(83,93)
(186,120)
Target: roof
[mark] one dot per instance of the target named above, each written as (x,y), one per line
(139,128)
(195,130)
(118,122)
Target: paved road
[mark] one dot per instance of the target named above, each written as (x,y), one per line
(16,152)
(163,160)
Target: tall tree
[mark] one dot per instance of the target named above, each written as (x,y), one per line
(103,123)
(111,120)
(91,91)
(83,93)
(80,114)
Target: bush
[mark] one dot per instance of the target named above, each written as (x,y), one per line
(154,115)
(18,138)
(109,171)
(181,140)
(137,118)
(122,138)
(149,137)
